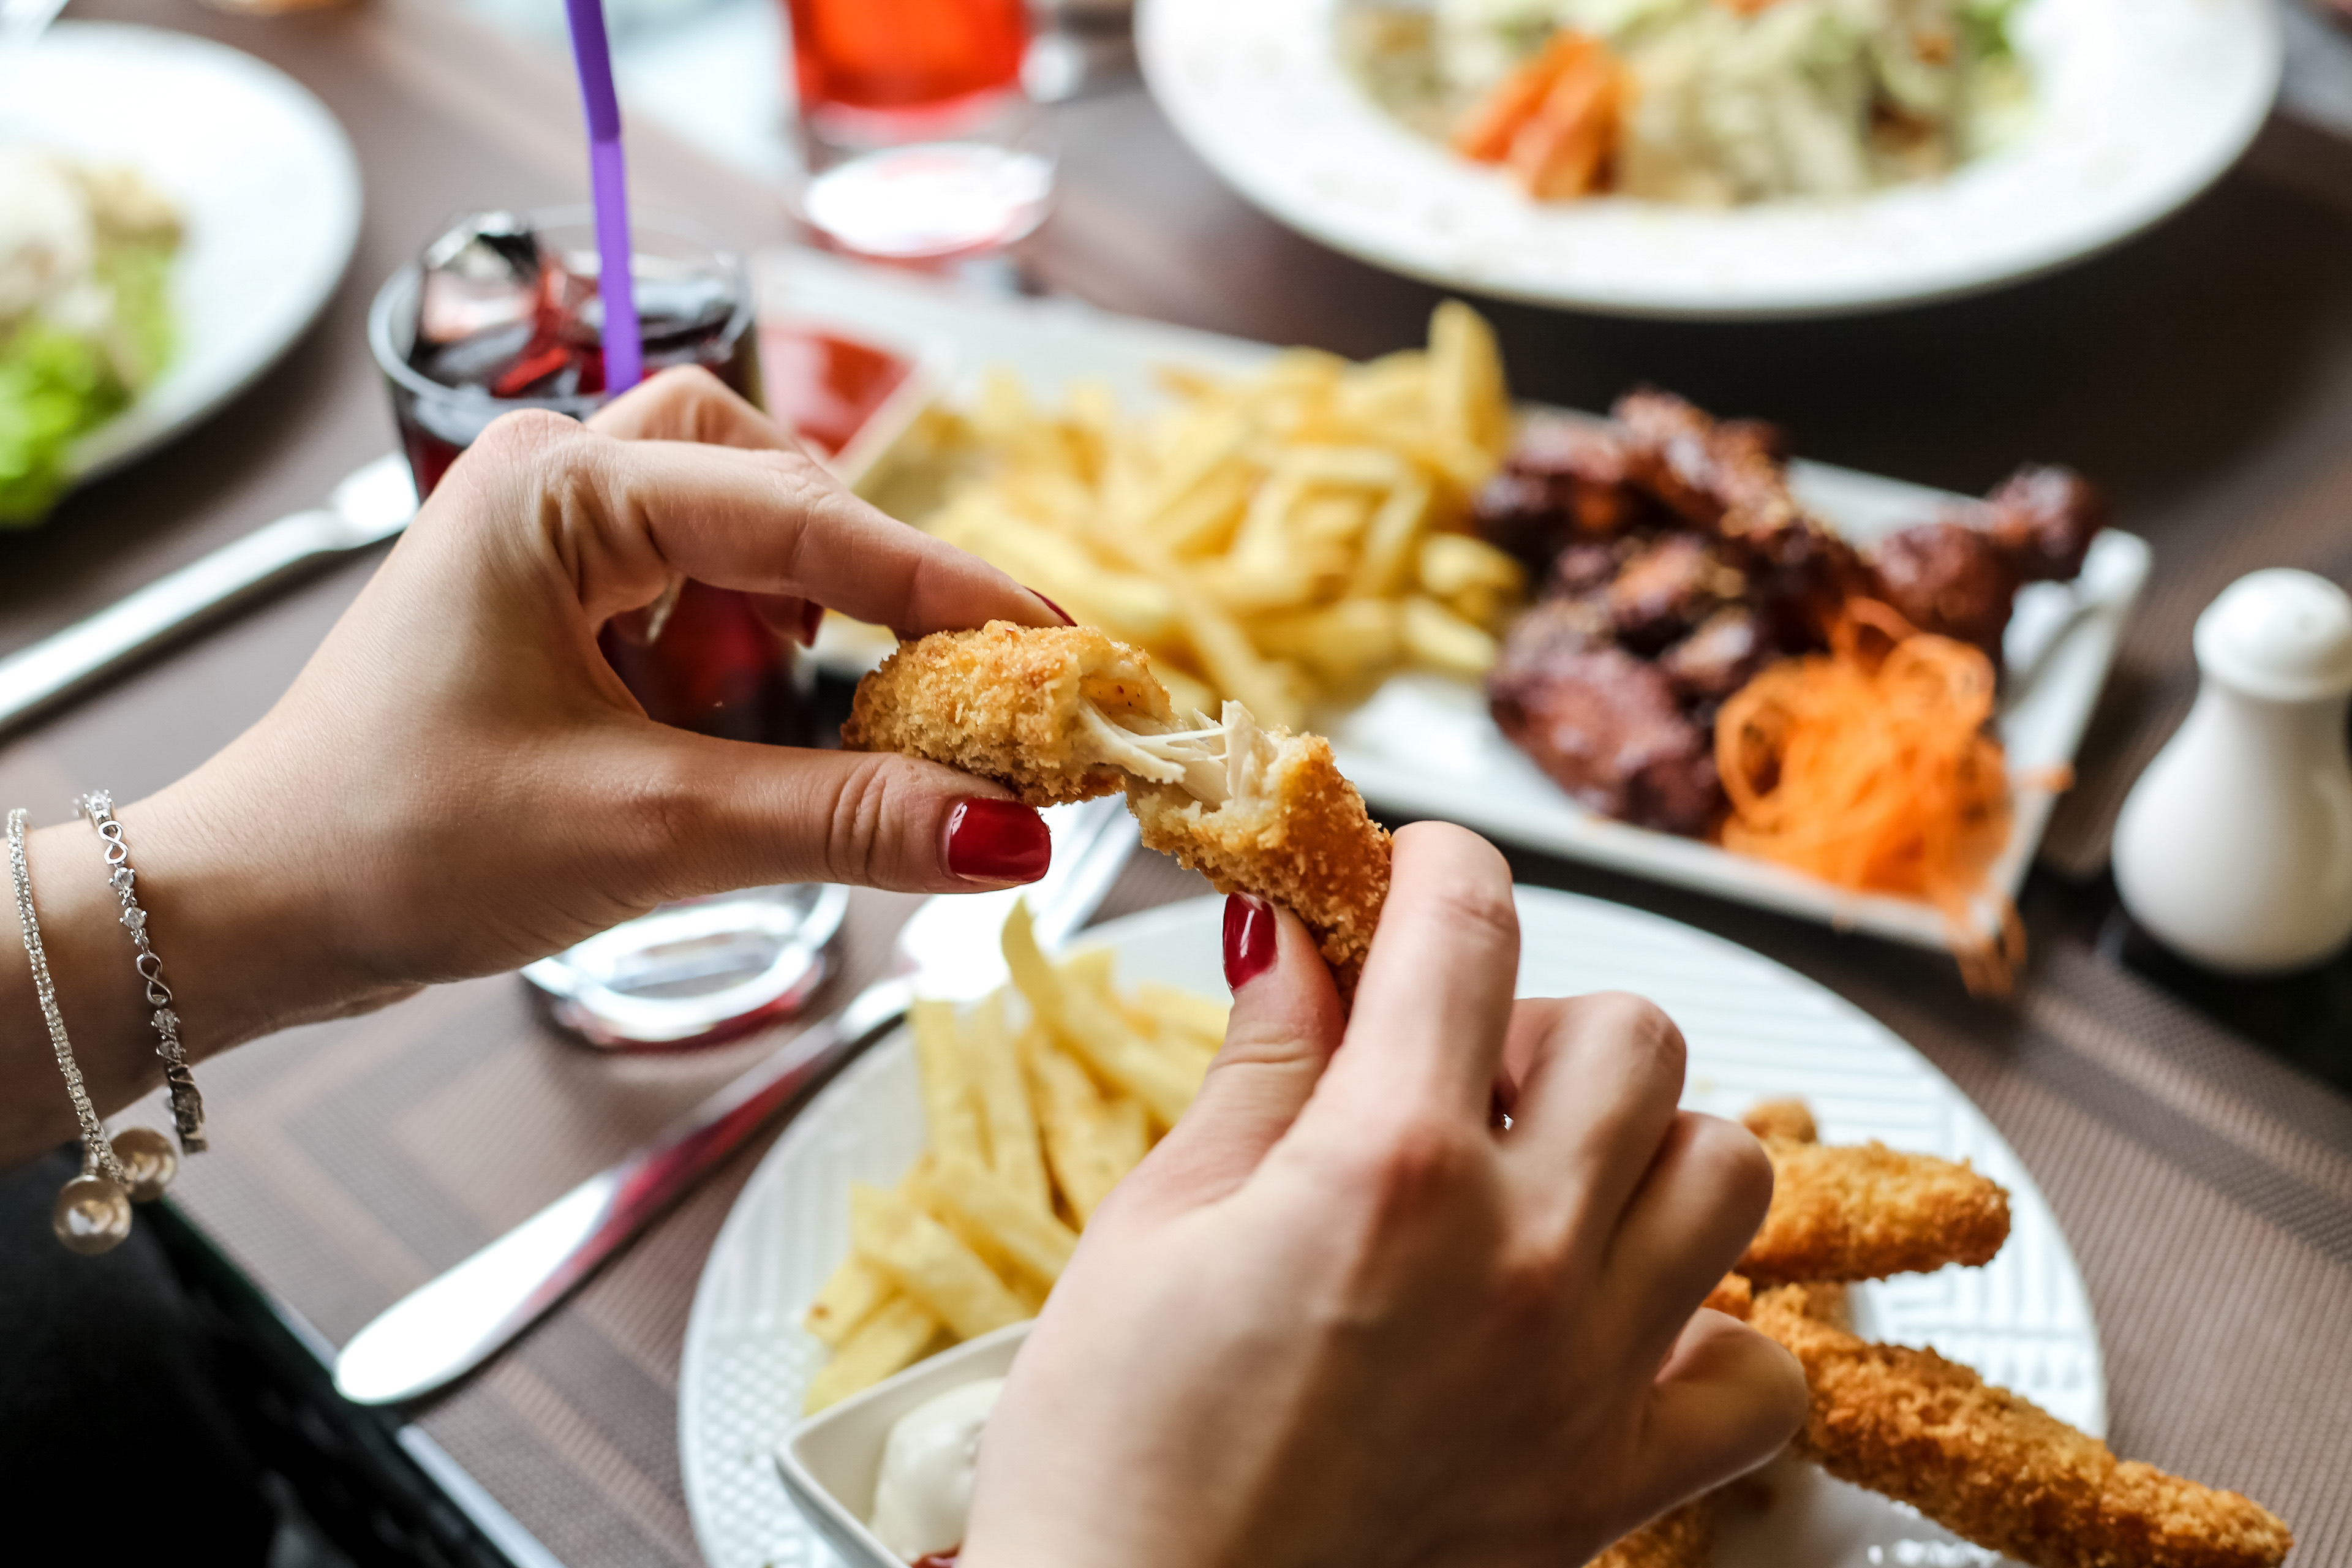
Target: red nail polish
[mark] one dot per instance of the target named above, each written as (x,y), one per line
(811,617)
(997,841)
(1054,607)
(1250,939)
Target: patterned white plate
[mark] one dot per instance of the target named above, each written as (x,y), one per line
(2139,104)
(1754,1029)
(264,178)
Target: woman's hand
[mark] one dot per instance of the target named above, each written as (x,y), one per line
(457,783)
(1341,1316)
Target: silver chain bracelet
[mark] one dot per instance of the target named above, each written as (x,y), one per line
(92,1213)
(96,1154)
(187,1105)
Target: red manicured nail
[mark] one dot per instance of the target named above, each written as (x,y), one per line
(811,617)
(1054,607)
(997,841)
(1250,939)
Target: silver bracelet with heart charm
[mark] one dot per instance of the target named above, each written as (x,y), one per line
(187,1105)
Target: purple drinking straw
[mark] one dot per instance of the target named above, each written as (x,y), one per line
(608,187)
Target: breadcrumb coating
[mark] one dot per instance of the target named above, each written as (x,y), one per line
(1867,1212)
(1064,714)
(1996,1468)
(1003,703)
(1680,1537)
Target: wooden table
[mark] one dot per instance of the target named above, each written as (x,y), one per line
(2203,373)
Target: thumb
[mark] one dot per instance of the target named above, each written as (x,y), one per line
(1726,1400)
(731,814)
(1285,1023)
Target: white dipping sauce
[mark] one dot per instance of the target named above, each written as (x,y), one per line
(923,1498)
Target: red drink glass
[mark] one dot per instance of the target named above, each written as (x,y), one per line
(708,968)
(892,57)
(918,141)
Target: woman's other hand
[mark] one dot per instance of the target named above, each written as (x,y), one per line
(1342,1316)
(457,783)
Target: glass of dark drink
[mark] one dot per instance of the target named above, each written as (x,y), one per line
(501,312)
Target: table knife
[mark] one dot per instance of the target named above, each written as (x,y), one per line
(371,504)
(949,948)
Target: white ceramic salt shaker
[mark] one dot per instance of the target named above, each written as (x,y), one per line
(2235,846)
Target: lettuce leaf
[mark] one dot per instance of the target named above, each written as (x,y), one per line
(58,385)
(54,385)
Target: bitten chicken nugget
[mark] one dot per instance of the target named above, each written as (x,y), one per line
(1021,706)
(1868,1211)
(1681,1537)
(1066,713)
(1996,1468)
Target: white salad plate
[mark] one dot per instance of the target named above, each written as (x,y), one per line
(1756,1030)
(264,179)
(1424,746)
(2138,105)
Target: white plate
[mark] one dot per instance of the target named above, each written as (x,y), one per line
(1756,1030)
(262,176)
(1424,746)
(2139,105)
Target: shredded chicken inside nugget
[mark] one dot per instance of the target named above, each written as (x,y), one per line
(1064,714)
(1999,1470)
(1868,1211)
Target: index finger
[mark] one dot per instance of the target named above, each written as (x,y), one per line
(1434,1003)
(688,403)
(632,513)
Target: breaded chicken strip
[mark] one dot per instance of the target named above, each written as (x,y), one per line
(1732,1295)
(1791,1119)
(1998,1470)
(1681,1537)
(1064,714)
(1867,1212)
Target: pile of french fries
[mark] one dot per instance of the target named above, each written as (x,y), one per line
(1279,539)
(1029,1129)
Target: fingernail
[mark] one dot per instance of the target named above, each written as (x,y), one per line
(1250,939)
(997,841)
(811,617)
(1054,607)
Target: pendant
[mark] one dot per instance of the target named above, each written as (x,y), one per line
(92,1215)
(147,1158)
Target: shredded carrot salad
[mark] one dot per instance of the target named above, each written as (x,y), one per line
(1870,766)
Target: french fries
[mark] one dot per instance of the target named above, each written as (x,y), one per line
(891,1341)
(1030,1126)
(931,1264)
(1278,539)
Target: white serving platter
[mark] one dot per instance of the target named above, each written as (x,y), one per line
(2139,105)
(1424,746)
(1755,1030)
(264,178)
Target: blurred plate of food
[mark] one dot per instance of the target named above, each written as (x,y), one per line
(173,215)
(967,1151)
(1533,622)
(1715,158)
